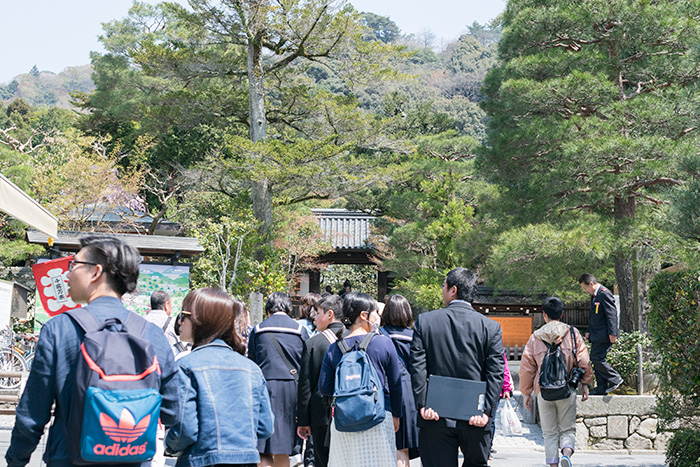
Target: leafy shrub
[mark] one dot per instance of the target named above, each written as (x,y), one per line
(674,324)
(623,354)
(684,449)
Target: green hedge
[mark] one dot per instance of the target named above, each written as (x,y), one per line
(684,449)
(623,354)
(674,325)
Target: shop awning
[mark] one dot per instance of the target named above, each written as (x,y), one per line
(21,206)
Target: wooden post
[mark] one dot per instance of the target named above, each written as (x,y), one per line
(256,308)
(640,371)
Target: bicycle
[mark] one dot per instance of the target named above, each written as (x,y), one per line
(11,360)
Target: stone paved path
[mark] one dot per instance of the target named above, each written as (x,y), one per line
(526,450)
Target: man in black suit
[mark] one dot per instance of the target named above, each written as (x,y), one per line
(602,333)
(456,341)
(313,409)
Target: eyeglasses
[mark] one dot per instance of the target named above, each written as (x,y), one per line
(73,262)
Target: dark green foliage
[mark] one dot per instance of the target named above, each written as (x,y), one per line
(471,56)
(424,56)
(19,111)
(674,324)
(684,214)
(380,28)
(684,449)
(623,354)
(362,278)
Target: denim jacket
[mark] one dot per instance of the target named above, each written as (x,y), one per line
(225,408)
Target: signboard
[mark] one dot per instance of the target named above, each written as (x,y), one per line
(516,329)
(175,280)
(6,289)
(51,279)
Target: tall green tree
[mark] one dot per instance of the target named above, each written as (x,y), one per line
(591,109)
(251,55)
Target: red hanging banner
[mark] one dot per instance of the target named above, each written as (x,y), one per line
(51,279)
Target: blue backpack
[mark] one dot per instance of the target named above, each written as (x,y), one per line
(116,403)
(358,398)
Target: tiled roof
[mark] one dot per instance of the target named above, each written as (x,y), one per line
(148,245)
(347,230)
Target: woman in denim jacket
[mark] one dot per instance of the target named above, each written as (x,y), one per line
(224,402)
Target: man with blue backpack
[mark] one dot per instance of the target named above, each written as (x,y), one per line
(110,373)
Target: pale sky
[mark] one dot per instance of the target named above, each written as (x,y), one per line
(55,34)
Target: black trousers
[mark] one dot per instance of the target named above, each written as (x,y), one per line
(605,374)
(321,446)
(439,445)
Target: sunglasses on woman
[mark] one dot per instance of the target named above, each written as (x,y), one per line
(180,318)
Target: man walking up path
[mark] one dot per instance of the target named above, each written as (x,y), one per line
(602,333)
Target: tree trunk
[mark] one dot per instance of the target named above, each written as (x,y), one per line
(261,189)
(624,211)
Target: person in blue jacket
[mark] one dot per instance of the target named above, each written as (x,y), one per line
(102,271)
(224,400)
(276,345)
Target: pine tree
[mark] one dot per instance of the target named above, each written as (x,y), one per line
(591,109)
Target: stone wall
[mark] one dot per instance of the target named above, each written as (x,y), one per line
(619,422)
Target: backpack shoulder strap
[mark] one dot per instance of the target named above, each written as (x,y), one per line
(135,324)
(167,321)
(85,319)
(366,340)
(330,335)
(573,342)
(343,346)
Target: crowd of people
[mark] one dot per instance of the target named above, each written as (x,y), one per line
(232,394)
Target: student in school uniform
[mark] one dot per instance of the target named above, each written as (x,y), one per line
(397,321)
(276,345)
(314,409)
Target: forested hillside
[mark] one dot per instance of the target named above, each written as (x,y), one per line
(44,88)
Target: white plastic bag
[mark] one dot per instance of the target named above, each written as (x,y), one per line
(509,422)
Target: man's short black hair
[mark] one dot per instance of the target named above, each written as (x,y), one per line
(465,281)
(278,301)
(553,307)
(158,299)
(120,261)
(332,302)
(587,278)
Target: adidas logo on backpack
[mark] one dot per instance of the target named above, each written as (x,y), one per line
(116,404)
(358,397)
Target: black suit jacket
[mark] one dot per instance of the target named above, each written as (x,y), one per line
(602,320)
(312,407)
(459,342)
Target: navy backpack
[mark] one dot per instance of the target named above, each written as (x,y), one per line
(358,398)
(116,404)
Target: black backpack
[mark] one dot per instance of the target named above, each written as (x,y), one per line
(554,375)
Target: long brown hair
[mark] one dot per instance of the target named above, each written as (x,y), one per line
(213,315)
